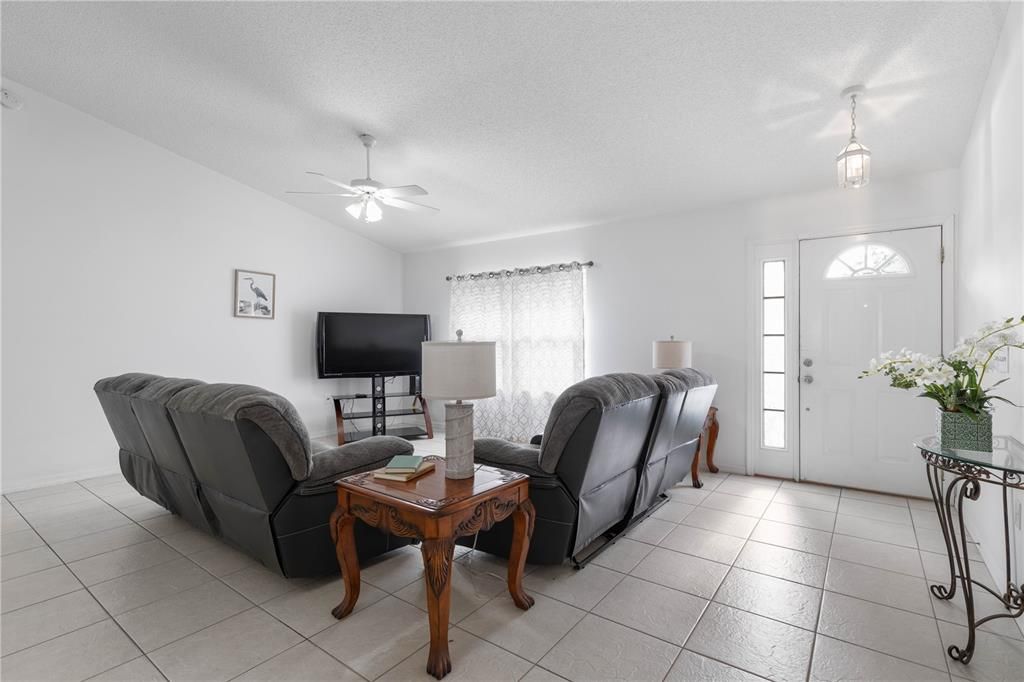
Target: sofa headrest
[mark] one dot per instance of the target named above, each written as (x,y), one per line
(273,413)
(693,378)
(162,390)
(125,384)
(669,385)
(576,402)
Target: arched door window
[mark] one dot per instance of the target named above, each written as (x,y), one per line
(868,260)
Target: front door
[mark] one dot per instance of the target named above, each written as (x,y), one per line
(862,295)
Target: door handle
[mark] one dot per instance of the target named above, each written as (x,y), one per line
(807,379)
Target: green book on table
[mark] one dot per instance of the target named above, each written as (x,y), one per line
(404,464)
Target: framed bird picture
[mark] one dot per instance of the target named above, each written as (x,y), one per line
(254,294)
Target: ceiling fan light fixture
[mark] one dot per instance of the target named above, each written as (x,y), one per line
(373,211)
(853,164)
(355,209)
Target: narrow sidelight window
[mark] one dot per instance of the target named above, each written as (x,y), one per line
(773,354)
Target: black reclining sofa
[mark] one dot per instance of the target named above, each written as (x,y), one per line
(237,462)
(611,447)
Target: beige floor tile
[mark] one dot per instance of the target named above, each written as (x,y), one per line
(882,587)
(954,611)
(756,488)
(801,516)
(879,498)
(687,494)
(811,500)
(582,589)
(144,511)
(771,597)
(651,530)
(705,544)
(19,541)
(99,543)
(191,541)
(623,555)
(691,667)
(658,611)
(394,570)
(302,662)
(137,670)
(539,674)
(58,531)
(122,561)
(470,591)
(221,560)
(817,488)
(996,659)
(259,584)
(472,659)
(877,554)
(898,633)
(930,540)
(752,643)
(307,609)
(164,525)
(36,587)
(90,508)
(936,569)
(43,621)
(75,656)
(143,587)
(69,498)
(28,561)
(836,661)
(529,634)
(227,649)
(11,522)
(161,622)
(879,531)
(598,649)
(717,521)
(925,518)
(44,491)
(377,638)
(794,537)
(876,511)
(782,562)
(685,572)
(673,511)
(736,504)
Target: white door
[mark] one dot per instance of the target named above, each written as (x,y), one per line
(860,296)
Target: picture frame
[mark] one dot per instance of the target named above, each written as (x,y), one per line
(255,295)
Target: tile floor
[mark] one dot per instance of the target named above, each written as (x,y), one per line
(743,579)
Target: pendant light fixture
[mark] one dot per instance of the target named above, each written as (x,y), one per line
(853,165)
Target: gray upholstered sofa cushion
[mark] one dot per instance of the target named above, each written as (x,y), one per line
(691,377)
(506,455)
(126,384)
(595,393)
(351,458)
(274,414)
(163,389)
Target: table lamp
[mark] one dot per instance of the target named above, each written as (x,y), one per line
(456,371)
(672,354)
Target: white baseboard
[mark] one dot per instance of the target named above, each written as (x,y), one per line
(19,484)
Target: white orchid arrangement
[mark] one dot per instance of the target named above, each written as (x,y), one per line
(956,380)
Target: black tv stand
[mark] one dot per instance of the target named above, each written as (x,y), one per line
(379,411)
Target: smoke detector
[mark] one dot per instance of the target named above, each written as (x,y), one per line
(10,101)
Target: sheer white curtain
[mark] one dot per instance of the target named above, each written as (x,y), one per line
(537,321)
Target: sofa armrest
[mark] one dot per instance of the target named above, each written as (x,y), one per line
(352,458)
(505,455)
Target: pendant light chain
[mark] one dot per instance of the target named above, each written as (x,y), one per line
(853,117)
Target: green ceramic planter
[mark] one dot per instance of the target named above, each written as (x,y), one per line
(960,431)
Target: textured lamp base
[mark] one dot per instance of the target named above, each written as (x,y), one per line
(458,440)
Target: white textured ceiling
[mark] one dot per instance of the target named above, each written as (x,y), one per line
(518,117)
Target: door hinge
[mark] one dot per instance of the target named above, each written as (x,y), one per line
(942,253)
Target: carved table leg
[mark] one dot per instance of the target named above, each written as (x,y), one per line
(437,561)
(712,439)
(343,534)
(695,465)
(522,531)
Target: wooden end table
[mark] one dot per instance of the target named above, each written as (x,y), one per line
(434,510)
(706,442)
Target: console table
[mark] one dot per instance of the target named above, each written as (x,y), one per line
(436,511)
(1003,469)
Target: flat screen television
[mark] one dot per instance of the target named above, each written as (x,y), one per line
(368,344)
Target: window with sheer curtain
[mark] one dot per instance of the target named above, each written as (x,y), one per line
(537,321)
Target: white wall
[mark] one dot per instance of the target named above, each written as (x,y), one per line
(991,255)
(119,256)
(684,275)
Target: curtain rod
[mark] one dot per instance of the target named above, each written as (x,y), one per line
(533,270)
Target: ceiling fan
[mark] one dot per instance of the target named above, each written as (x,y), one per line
(370,194)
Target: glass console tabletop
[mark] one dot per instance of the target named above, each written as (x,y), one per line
(1007,453)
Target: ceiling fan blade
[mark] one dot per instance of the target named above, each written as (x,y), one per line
(407,205)
(321,194)
(403,191)
(347,188)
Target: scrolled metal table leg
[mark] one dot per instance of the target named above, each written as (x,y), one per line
(969,489)
(934,475)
